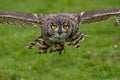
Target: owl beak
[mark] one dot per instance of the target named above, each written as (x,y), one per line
(59,31)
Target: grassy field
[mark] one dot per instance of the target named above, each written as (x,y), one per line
(97,59)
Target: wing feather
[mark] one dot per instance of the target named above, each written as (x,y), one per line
(99,15)
(19,18)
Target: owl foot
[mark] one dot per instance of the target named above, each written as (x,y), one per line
(57,48)
(76,39)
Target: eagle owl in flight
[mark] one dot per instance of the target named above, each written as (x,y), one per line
(58,29)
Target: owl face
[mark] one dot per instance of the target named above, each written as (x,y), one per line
(60,29)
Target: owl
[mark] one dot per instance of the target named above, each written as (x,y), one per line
(58,30)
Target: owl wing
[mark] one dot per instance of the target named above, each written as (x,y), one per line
(19,18)
(99,15)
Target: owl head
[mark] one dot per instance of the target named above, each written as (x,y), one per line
(59,27)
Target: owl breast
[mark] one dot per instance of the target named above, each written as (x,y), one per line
(54,40)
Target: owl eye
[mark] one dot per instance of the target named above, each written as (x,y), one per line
(53,26)
(66,27)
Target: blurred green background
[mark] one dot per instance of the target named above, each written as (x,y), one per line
(97,59)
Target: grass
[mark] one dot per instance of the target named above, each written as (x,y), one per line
(97,59)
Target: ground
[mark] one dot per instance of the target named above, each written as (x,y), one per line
(97,59)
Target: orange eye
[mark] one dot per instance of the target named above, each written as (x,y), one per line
(53,26)
(66,27)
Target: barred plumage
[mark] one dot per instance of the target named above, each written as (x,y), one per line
(58,29)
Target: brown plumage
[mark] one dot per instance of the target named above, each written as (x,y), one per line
(58,29)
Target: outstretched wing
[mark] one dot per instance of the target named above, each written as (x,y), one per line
(99,15)
(18,18)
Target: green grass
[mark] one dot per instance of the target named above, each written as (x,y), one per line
(97,59)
